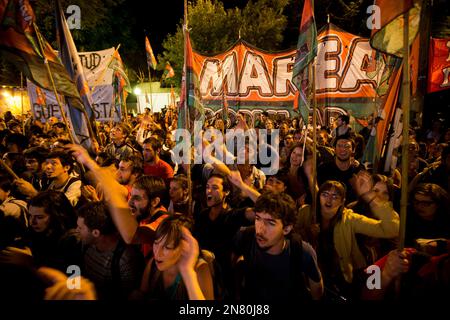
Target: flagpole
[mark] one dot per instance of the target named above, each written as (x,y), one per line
(21,101)
(405,142)
(314,167)
(188,122)
(63,115)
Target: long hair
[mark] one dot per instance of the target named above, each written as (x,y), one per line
(58,207)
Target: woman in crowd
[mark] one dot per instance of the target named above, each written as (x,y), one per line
(176,272)
(52,236)
(333,231)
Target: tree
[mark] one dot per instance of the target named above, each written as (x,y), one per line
(214,29)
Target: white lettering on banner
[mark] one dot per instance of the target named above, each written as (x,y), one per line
(336,72)
(446,82)
(282,73)
(255,76)
(328,52)
(354,74)
(215,75)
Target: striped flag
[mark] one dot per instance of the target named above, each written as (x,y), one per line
(20,44)
(151,60)
(191,108)
(80,112)
(169,73)
(389,38)
(306,51)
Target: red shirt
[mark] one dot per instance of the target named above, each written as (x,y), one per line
(161,169)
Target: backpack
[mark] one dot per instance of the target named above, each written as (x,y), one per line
(295,261)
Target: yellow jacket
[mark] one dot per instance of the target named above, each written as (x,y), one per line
(350,257)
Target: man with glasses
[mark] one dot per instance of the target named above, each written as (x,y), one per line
(343,167)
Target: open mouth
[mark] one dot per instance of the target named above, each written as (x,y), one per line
(209,197)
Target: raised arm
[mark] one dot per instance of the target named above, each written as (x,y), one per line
(120,213)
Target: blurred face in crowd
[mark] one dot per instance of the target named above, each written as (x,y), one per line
(165,253)
(270,232)
(284,129)
(86,235)
(330,202)
(139,204)
(54,168)
(125,172)
(381,190)
(168,141)
(148,153)
(215,195)
(274,185)
(288,140)
(269,124)
(297,137)
(32,165)
(176,192)
(343,149)
(297,157)
(322,138)
(424,206)
(52,121)
(39,220)
(117,134)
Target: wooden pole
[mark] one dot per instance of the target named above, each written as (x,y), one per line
(314,166)
(21,102)
(63,115)
(186,102)
(9,170)
(405,143)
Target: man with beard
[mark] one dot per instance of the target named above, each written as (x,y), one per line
(138,219)
(343,168)
(153,165)
(277,264)
(130,168)
(215,227)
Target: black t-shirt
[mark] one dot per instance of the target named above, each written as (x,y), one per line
(330,171)
(271,277)
(217,235)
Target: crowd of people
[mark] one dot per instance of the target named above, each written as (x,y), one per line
(135,224)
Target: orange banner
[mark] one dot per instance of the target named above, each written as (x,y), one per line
(439,65)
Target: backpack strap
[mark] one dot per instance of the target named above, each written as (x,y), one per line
(69,183)
(23,213)
(115,263)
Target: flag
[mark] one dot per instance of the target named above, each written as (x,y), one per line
(191,108)
(19,41)
(389,38)
(439,65)
(41,99)
(169,73)
(80,111)
(306,51)
(151,60)
(121,83)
